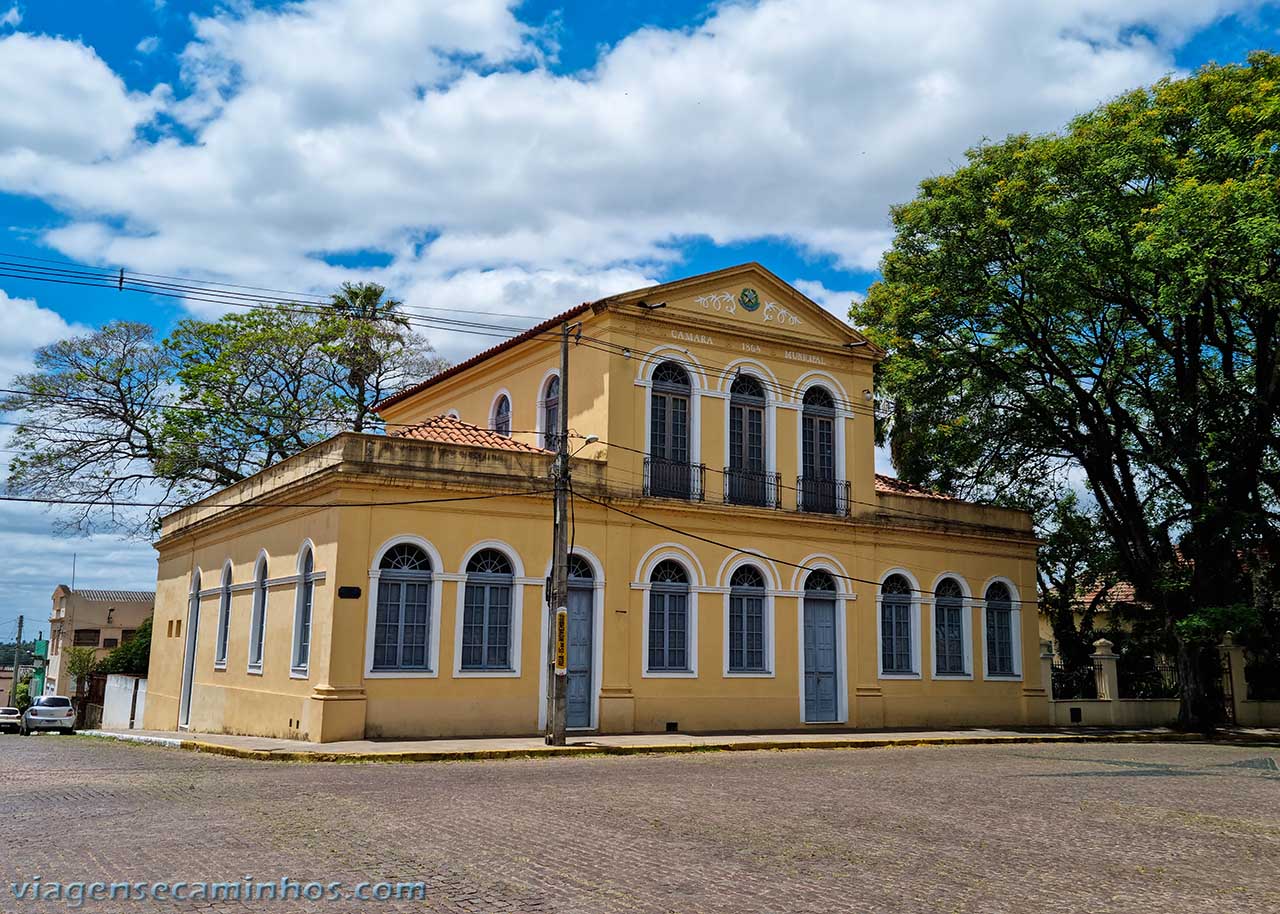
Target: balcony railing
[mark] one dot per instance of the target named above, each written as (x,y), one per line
(674,479)
(822,496)
(751,487)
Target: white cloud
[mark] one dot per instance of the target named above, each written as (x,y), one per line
(63,107)
(25,327)
(35,560)
(836,302)
(148,45)
(333,125)
(12,18)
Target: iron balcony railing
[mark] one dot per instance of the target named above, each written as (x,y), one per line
(666,478)
(822,496)
(752,487)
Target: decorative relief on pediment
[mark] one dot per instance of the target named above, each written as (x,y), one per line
(748,301)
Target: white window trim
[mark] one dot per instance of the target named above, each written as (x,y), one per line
(1015,631)
(540,412)
(190,641)
(697,390)
(967,604)
(224,620)
(842,414)
(302,670)
(843,597)
(697,579)
(772,387)
(915,626)
(597,639)
(433,611)
(771,587)
(518,583)
(493,410)
(258,613)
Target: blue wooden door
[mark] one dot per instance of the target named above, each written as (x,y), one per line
(578,687)
(820,659)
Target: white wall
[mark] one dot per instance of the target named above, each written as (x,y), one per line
(119,699)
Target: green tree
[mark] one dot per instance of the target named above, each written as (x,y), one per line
(133,657)
(22,696)
(372,351)
(116,415)
(1106,302)
(79,663)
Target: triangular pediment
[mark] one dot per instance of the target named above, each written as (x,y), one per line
(747,299)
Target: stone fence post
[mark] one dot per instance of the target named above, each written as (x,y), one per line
(1104,669)
(1046,667)
(1237,685)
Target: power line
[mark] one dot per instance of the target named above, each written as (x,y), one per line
(747,550)
(264,504)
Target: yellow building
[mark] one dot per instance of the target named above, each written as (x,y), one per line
(738,564)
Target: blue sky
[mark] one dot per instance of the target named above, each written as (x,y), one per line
(504,157)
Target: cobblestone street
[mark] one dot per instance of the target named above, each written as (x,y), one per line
(1085,827)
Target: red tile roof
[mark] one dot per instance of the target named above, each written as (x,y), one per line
(448,430)
(462,366)
(891,485)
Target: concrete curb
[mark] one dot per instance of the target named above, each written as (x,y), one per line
(289,755)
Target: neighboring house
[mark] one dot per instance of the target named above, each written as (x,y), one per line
(100,619)
(1101,599)
(737,562)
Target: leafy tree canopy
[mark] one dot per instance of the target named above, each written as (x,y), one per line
(118,415)
(133,657)
(1101,306)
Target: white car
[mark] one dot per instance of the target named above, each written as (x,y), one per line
(10,720)
(49,712)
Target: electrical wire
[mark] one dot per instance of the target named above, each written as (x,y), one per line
(748,550)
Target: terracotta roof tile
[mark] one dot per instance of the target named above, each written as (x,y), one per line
(116,596)
(452,370)
(891,485)
(448,430)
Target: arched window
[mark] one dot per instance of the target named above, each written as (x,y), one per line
(670,473)
(948,628)
(189,650)
(746,621)
(746,481)
(551,414)
(486,615)
(402,626)
(897,653)
(580,569)
(224,617)
(1000,632)
(818,484)
(502,416)
(820,582)
(258,619)
(303,603)
(669,617)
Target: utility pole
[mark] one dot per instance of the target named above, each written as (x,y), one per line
(559,597)
(17,647)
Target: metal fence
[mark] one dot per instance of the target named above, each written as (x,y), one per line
(822,496)
(751,487)
(1262,676)
(674,478)
(1147,677)
(1074,681)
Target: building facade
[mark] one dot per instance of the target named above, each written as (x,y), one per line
(737,562)
(99,619)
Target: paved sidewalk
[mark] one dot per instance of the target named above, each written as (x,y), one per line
(259,747)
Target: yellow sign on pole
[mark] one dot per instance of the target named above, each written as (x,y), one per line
(562,641)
